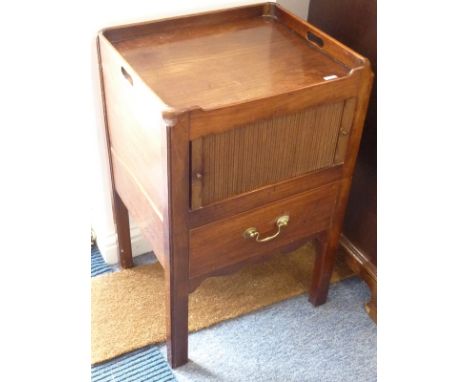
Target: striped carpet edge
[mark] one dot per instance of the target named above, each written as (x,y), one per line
(143,365)
(98,265)
(147,364)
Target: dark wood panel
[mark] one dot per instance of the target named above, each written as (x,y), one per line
(365,269)
(360,226)
(354,22)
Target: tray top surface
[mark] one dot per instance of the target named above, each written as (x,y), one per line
(219,65)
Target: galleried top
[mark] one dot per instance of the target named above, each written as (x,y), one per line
(228,57)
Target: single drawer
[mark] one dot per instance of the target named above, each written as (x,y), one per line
(226,242)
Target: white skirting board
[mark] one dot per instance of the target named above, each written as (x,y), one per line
(108,246)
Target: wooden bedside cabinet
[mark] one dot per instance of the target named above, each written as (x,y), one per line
(232,135)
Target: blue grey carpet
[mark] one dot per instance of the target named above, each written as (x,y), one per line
(143,365)
(291,341)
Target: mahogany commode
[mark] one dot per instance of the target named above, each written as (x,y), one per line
(232,135)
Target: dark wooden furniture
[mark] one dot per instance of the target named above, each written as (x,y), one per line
(354,22)
(232,135)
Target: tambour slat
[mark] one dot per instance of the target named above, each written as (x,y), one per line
(264,152)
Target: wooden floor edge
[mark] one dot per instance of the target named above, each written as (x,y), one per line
(367,271)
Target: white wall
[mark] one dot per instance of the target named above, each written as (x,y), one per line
(299,7)
(122,12)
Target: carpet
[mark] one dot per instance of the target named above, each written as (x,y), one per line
(143,365)
(128,307)
(147,364)
(98,265)
(291,341)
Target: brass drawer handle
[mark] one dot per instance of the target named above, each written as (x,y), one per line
(252,232)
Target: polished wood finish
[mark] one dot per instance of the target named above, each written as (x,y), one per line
(137,148)
(232,268)
(204,122)
(222,121)
(326,256)
(354,22)
(181,70)
(345,129)
(221,243)
(241,160)
(264,195)
(177,276)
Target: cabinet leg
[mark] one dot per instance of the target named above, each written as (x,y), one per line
(176,323)
(327,247)
(323,268)
(123,232)
(177,244)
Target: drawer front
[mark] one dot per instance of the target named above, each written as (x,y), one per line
(224,243)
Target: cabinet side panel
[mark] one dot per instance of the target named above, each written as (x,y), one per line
(138,144)
(264,152)
(140,206)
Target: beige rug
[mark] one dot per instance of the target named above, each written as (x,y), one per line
(128,307)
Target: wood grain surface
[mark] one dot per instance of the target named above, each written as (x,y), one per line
(220,244)
(264,152)
(255,55)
